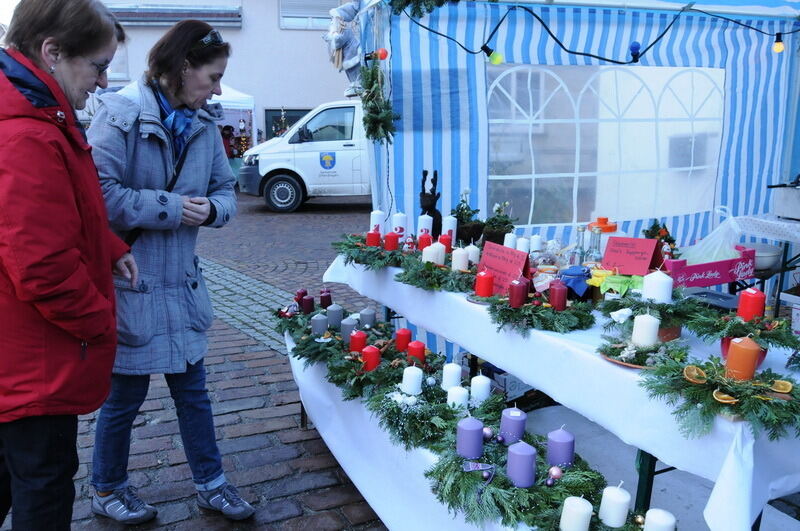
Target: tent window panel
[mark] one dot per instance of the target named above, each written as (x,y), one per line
(306,14)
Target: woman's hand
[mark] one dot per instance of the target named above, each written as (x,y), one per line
(126,267)
(195,211)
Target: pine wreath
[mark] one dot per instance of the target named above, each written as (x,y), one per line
(355,250)
(379,115)
(678,313)
(577,316)
(432,277)
(766,332)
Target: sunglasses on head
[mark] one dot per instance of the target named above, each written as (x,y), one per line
(213,38)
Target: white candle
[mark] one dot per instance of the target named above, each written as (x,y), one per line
(376,221)
(524,245)
(657,286)
(424,224)
(659,520)
(510,240)
(474,253)
(451,376)
(460,259)
(457,396)
(429,254)
(480,389)
(614,506)
(645,330)
(399,222)
(440,250)
(412,381)
(576,514)
(449,224)
(536,242)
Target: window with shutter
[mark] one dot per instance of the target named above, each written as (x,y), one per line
(306,14)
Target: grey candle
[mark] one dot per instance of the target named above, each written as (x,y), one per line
(335,314)
(469,438)
(347,325)
(367,317)
(319,325)
(521,465)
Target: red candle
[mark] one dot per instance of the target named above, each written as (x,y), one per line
(325,299)
(299,294)
(751,304)
(402,339)
(742,358)
(358,340)
(424,240)
(558,295)
(373,239)
(518,292)
(447,241)
(324,290)
(307,304)
(416,353)
(484,284)
(371,356)
(390,241)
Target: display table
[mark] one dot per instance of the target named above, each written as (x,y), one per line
(391,479)
(747,471)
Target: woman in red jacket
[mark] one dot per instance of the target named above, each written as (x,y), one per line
(57,316)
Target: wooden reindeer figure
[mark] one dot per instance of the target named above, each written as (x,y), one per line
(428,200)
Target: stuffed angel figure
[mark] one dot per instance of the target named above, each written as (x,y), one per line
(343,44)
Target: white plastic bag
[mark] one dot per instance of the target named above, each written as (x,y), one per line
(720,244)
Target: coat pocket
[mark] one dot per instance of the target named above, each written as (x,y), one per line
(136,311)
(201,315)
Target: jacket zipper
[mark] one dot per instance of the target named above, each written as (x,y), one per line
(84,346)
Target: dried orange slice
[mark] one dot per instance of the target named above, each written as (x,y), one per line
(781,386)
(762,397)
(723,398)
(695,374)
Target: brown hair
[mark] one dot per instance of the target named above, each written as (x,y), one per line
(79,27)
(182,43)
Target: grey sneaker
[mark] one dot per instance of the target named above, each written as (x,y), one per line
(123,505)
(226,500)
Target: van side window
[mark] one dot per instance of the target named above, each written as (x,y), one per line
(331,124)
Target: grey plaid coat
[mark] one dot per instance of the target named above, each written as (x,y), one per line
(162,321)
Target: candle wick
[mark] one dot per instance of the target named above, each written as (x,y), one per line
(620,484)
(562,426)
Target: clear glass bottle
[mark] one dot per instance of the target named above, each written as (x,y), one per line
(594,258)
(577,254)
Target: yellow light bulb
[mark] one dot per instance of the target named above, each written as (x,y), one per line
(496,58)
(778,47)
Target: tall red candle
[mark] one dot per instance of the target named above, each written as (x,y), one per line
(558,295)
(424,240)
(325,299)
(373,239)
(358,340)
(402,339)
(299,294)
(518,292)
(484,284)
(416,353)
(390,241)
(447,241)
(372,358)
(307,304)
(751,304)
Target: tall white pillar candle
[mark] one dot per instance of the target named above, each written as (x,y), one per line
(460,259)
(399,224)
(412,381)
(575,515)
(451,376)
(376,221)
(424,225)
(457,396)
(614,506)
(510,240)
(429,254)
(524,245)
(474,253)
(440,251)
(449,224)
(536,243)
(480,388)
(645,330)
(657,286)
(659,520)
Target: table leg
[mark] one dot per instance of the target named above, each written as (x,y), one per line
(781,274)
(646,467)
(757,523)
(303,417)
(473,365)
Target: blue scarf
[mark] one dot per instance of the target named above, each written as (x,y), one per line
(177,121)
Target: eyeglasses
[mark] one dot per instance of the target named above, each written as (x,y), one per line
(213,38)
(101,68)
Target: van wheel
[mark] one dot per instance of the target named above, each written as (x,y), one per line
(283,193)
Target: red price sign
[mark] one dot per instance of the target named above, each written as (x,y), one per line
(631,256)
(505,263)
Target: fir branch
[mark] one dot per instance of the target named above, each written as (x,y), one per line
(681,310)
(354,249)
(431,277)
(766,332)
(577,316)
(623,350)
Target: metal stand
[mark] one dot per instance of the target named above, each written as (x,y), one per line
(646,467)
(303,417)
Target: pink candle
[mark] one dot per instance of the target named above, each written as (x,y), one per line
(402,339)
(416,353)
(424,240)
(373,239)
(484,284)
(447,241)
(358,340)
(372,358)
(390,241)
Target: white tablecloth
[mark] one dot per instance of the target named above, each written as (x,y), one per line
(391,479)
(747,471)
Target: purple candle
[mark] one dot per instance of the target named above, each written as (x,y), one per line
(307,304)
(560,447)
(299,294)
(521,466)
(325,299)
(469,438)
(512,425)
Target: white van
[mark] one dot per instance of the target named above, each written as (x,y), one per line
(323,154)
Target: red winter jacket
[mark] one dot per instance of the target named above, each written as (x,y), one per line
(57,325)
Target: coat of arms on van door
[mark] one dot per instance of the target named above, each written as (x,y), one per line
(327,159)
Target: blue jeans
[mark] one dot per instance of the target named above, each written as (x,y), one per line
(113,430)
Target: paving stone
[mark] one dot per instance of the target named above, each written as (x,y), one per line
(274,454)
(315,462)
(297,435)
(359,513)
(259,426)
(259,474)
(320,500)
(277,510)
(320,521)
(300,483)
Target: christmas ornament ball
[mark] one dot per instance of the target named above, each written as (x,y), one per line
(500,439)
(555,472)
(486,474)
(550,482)
(431,380)
(639,519)
(488,433)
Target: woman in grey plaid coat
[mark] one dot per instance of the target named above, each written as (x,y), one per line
(142,136)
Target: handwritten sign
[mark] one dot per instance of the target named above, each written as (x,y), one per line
(505,263)
(630,256)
